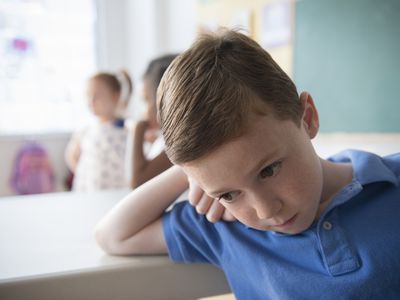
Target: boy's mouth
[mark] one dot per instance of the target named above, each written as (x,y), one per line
(287,223)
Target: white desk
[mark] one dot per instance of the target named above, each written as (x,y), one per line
(47,251)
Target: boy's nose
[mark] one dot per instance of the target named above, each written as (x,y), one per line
(267,208)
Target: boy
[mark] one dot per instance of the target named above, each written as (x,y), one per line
(307,228)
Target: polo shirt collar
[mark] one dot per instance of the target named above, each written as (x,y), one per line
(367,167)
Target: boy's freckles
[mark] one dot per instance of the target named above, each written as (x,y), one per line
(285,202)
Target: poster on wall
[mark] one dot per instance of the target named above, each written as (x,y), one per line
(276,29)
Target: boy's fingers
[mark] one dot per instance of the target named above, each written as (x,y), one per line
(204,204)
(215,212)
(227,216)
(195,193)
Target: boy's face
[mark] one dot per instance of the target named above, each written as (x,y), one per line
(269,178)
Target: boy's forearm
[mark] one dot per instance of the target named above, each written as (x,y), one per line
(141,207)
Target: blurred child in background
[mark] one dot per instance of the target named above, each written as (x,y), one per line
(97,154)
(149,158)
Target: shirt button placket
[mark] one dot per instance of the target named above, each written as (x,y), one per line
(327,225)
(336,250)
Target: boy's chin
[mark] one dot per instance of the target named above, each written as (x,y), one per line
(294,229)
(291,230)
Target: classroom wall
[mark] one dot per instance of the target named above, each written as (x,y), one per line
(347,56)
(345,53)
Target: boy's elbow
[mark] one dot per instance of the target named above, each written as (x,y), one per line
(107,243)
(113,246)
(101,240)
(149,240)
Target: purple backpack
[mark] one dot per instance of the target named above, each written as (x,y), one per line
(32,171)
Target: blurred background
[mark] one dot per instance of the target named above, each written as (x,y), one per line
(345,53)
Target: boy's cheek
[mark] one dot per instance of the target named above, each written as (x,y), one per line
(235,212)
(227,216)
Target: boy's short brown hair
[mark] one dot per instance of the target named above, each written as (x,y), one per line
(207,95)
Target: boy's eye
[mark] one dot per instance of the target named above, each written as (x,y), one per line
(228,197)
(271,170)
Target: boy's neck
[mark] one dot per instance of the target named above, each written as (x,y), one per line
(335,177)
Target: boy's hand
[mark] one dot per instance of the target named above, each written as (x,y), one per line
(206,205)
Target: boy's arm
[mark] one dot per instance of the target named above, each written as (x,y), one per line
(144,169)
(134,225)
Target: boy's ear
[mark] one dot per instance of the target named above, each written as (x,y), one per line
(309,120)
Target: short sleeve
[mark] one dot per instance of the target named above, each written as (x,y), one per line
(190,237)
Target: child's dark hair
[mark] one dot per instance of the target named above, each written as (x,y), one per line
(209,93)
(156,69)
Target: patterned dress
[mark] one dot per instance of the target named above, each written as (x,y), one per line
(102,163)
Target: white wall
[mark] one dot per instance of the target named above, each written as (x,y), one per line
(154,28)
(110,32)
(157,27)
(328,144)
(179,28)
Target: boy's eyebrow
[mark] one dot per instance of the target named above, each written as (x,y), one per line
(255,169)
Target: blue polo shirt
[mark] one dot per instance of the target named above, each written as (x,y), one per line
(351,252)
